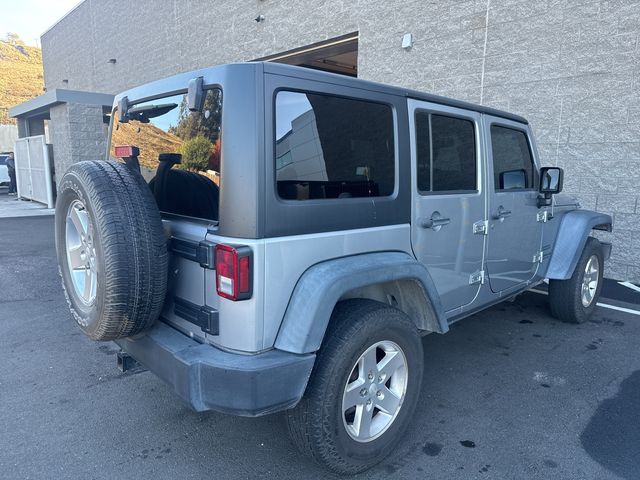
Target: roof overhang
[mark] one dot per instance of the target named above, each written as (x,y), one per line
(41,105)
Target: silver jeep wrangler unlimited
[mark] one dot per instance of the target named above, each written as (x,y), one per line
(271,238)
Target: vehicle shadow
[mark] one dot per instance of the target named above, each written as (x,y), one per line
(612,436)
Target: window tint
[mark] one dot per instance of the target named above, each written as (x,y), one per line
(446,153)
(512,161)
(179,151)
(332,147)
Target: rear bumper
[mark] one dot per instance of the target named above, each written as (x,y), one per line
(208,378)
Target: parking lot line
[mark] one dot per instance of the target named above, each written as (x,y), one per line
(599,304)
(630,285)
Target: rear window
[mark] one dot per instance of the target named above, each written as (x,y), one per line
(333,147)
(167,134)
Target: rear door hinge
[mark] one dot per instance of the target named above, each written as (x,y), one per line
(538,257)
(543,216)
(477,277)
(481,227)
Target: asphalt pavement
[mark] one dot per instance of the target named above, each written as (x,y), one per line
(509,393)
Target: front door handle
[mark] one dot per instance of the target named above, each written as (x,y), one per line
(436,222)
(502,213)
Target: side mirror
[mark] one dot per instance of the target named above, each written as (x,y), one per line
(551,180)
(550,183)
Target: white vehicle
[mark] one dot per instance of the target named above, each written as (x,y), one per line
(4,171)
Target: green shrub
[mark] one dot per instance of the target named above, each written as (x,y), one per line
(196,153)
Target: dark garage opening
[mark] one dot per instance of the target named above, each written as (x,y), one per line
(337,55)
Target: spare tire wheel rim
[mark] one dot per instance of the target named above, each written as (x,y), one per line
(81,252)
(590,280)
(375,391)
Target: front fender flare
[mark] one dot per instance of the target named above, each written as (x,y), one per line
(322,285)
(571,239)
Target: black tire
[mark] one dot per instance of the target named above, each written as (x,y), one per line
(565,296)
(129,245)
(316,424)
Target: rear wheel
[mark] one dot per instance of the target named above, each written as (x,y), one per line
(364,389)
(575,299)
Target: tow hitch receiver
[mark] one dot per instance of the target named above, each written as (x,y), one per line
(126,362)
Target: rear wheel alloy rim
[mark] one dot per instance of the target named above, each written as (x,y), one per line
(375,391)
(81,252)
(590,280)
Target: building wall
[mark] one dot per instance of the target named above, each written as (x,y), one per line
(77,133)
(572,67)
(8,137)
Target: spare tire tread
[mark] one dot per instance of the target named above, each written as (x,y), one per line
(134,256)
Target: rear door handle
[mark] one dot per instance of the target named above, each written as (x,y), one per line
(436,222)
(502,213)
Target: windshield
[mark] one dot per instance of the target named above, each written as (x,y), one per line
(179,151)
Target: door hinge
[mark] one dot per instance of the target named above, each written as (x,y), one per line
(543,216)
(476,277)
(538,257)
(481,227)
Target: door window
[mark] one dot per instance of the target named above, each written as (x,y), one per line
(446,154)
(512,160)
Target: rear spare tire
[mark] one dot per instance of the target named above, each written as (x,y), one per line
(112,252)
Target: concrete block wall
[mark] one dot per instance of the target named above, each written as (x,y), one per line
(572,67)
(77,133)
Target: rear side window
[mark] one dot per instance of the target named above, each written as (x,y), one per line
(512,160)
(446,153)
(333,147)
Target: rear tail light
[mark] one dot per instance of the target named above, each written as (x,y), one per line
(233,271)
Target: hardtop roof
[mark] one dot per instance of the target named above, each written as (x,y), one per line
(180,81)
(328,77)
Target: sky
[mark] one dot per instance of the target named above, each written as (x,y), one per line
(31,18)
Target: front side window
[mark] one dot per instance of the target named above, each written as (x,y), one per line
(332,147)
(512,159)
(446,153)
(179,151)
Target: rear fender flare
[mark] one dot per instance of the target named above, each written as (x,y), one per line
(324,284)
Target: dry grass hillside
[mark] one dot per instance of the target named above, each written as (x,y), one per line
(21,76)
(150,139)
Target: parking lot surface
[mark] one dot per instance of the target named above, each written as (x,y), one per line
(509,393)
(11,206)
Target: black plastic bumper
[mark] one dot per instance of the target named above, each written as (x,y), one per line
(211,379)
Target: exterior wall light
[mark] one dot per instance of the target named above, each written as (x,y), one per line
(259,18)
(112,61)
(407,41)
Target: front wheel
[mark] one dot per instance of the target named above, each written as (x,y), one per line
(364,389)
(575,299)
